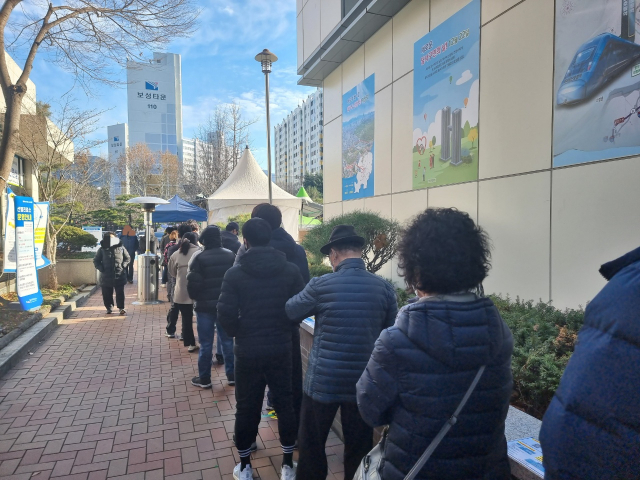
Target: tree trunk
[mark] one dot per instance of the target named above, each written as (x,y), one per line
(51,249)
(10,134)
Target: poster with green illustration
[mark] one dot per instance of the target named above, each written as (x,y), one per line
(358,121)
(446,90)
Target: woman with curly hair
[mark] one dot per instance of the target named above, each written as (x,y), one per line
(422,367)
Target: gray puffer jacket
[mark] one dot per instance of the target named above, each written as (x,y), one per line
(351,308)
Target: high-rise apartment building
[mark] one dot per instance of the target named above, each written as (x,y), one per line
(189,146)
(298,143)
(154,100)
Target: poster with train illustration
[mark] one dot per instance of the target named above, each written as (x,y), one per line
(358,122)
(446,90)
(597,81)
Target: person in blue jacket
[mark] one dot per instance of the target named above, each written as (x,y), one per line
(421,367)
(591,429)
(351,307)
(130,242)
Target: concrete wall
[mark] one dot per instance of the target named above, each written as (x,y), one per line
(75,272)
(551,228)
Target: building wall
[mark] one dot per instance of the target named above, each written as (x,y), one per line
(118,144)
(155,111)
(29,100)
(298,143)
(550,228)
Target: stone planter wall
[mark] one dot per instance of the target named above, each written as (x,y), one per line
(73,271)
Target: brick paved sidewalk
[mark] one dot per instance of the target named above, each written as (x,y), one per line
(108,396)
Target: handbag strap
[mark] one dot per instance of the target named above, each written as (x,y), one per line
(445,429)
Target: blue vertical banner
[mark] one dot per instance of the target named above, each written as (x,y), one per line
(358,122)
(27,286)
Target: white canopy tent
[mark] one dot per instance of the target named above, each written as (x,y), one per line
(248,186)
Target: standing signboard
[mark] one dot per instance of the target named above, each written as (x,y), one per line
(27,287)
(96,232)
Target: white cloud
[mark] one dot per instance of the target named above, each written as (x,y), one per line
(465,77)
(228,10)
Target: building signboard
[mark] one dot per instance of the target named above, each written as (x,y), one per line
(446,91)
(596,103)
(358,117)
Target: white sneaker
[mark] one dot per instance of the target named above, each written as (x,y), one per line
(246,474)
(288,473)
(193,348)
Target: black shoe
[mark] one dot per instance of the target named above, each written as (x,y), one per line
(202,383)
(130,281)
(219,359)
(231,381)
(109,310)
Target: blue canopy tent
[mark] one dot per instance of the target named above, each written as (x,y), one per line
(178,210)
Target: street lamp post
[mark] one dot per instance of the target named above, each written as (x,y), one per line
(266,58)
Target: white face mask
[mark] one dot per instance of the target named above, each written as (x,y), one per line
(113,241)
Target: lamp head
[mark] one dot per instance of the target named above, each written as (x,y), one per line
(148,203)
(266,58)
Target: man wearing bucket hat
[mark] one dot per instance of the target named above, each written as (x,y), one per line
(351,308)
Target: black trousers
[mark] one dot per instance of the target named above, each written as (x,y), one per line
(107,296)
(315,422)
(252,375)
(186,309)
(130,271)
(296,378)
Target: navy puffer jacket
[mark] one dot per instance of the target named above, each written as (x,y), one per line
(351,308)
(592,427)
(418,373)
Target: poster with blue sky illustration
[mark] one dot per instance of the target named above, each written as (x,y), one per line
(446,89)
(358,115)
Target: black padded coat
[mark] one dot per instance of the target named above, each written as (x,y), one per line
(204,278)
(418,373)
(112,262)
(251,305)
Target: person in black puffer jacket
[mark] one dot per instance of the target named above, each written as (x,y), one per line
(251,308)
(204,279)
(351,308)
(230,237)
(111,261)
(422,367)
(282,241)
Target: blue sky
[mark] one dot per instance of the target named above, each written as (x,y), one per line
(218,67)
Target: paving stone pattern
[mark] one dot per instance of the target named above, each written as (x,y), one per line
(108,396)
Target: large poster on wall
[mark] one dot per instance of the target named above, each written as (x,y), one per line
(446,90)
(358,117)
(597,81)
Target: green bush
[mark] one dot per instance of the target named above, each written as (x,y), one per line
(544,339)
(319,270)
(381,237)
(72,239)
(240,219)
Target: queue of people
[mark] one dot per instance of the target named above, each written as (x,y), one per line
(409,370)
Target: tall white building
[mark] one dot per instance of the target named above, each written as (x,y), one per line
(118,143)
(154,100)
(298,143)
(189,146)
